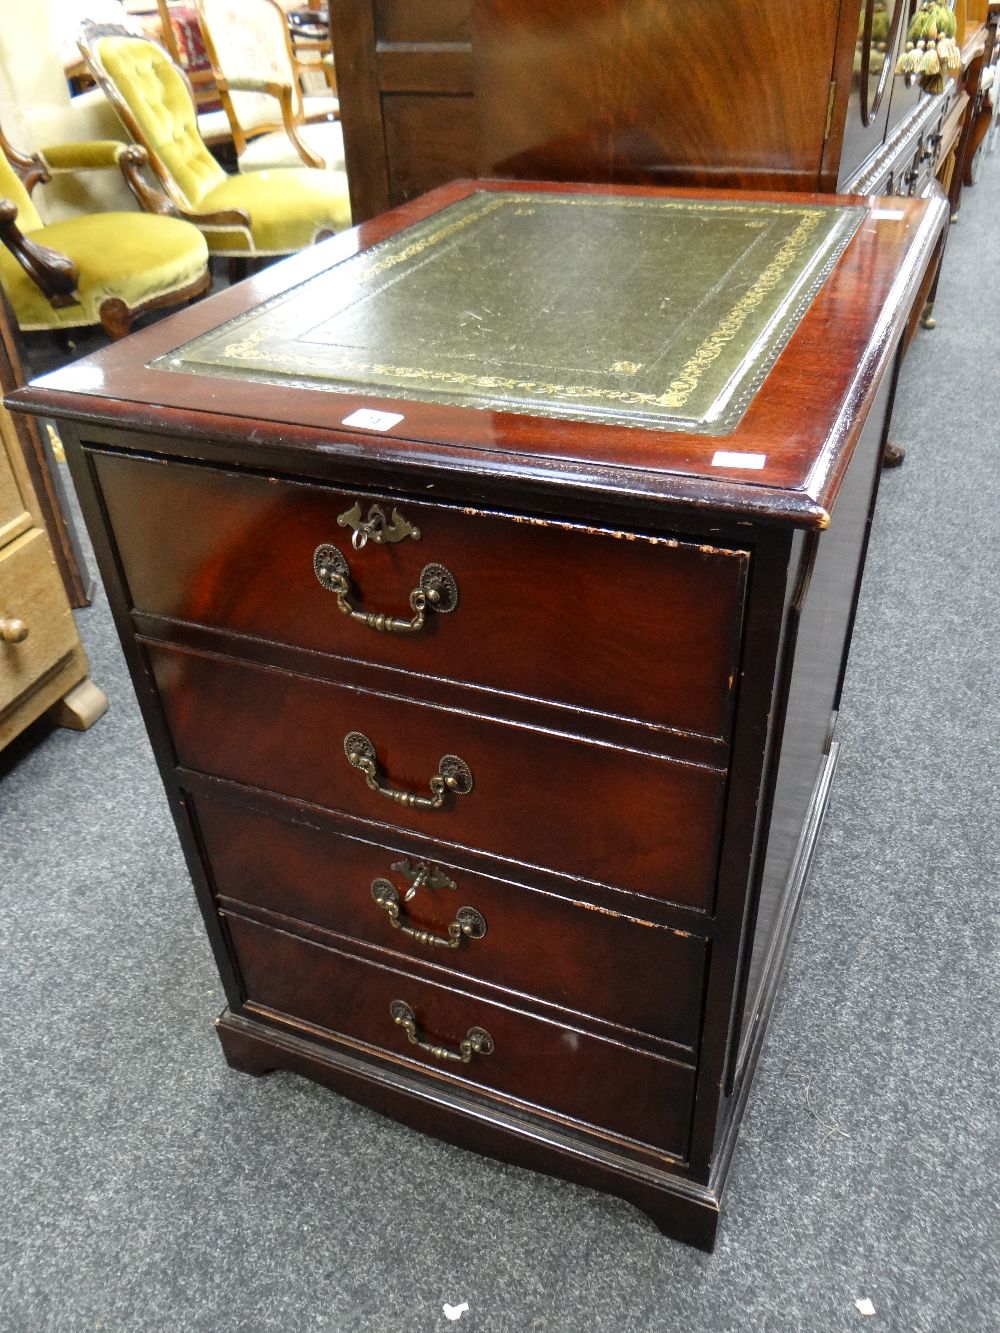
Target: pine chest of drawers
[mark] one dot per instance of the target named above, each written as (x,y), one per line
(486,576)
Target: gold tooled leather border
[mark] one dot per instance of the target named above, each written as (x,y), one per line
(286,363)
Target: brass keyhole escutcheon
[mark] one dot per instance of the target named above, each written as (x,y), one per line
(376,527)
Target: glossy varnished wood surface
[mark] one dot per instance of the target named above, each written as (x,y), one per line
(641,627)
(588,811)
(556,1066)
(637,974)
(804,418)
(577,809)
(718,93)
(632,90)
(825,583)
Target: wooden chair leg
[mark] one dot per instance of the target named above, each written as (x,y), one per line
(116,318)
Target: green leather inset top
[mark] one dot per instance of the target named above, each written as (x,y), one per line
(656,312)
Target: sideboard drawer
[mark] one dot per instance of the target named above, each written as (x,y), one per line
(571,1073)
(32,592)
(610,815)
(613,622)
(627,971)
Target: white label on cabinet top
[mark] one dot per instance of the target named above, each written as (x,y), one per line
(723,459)
(888,214)
(366,419)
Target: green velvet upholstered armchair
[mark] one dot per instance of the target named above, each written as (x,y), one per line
(258,213)
(97,268)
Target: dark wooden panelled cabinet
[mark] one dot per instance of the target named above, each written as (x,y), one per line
(719,93)
(724,92)
(487,576)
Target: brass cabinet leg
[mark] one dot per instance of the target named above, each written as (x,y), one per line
(927,319)
(81,707)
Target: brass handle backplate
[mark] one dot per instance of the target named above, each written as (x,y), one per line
(468,923)
(453,775)
(13,630)
(477,1041)
(436,590)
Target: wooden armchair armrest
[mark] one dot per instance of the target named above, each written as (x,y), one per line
(247,84)
(131,161)
(313,66)
(321,44)
(54,274)
(283,92)
(322,66)
(29,166)
(224,217)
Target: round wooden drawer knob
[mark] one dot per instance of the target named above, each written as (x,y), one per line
(13,631)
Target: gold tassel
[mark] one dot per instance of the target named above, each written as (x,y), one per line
(931,53)
(949,55)
(907,62)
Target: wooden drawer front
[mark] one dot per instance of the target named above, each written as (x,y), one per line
(642,976)
(627,626)
(31,591)
(572,1073)
(588,810)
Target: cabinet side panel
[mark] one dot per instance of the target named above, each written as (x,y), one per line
(819,631)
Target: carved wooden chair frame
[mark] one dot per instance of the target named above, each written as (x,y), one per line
(55,274)
(292,119)
(168,201)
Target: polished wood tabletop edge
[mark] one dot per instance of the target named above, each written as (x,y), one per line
(823,482)
(540,452)
(219,436)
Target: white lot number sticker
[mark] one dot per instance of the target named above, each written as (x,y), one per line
(365,419)
(723,459)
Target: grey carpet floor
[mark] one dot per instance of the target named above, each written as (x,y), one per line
(145,1186)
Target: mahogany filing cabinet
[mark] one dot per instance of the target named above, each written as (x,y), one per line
(487,575)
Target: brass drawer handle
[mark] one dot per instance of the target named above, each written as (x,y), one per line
(436,590)
(453,775)
(13,630)
(468,923)
(477,1041)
